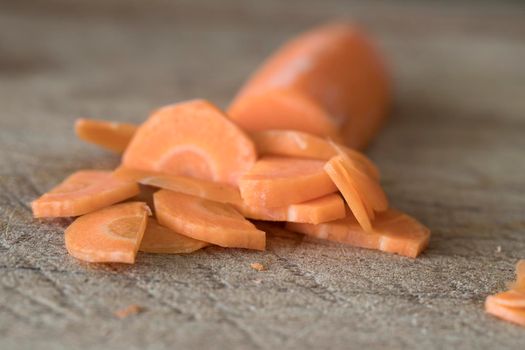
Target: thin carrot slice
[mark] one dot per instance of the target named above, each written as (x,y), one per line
(510,314)
(112,136)
(135,175)
(292,143)
(336,66)
(162,240)
(112,234)
(393,232)
(510,298)
(192,139)
(207,221)
(82,192)
(340,176)
(315,211)
(280,181)
(519,285)
(282,109)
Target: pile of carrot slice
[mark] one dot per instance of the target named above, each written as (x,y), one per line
(510,305)
(276,154)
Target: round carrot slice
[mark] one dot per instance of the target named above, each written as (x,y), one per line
(292,143)
(83,192)
(192,139)
(282,109)
(162,240)
(112,136)
(207,221)
(280,181)
(112,234)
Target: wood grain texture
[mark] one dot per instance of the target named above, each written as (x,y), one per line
(452,155)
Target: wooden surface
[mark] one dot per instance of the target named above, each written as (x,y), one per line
(452,155)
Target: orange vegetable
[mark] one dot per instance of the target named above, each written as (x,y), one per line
(393,232)
(192,139)
(160,239)
(519,285)
(112,234)
(282,109)
(512,314)
(323,209)
(511,298)
(291,143)
(336,66)
(363,195)
(112,136)
(279,181)
(207,221)
(83,192)
(134,175)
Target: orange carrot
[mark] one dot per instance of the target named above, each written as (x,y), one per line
(519,285)
(282,109)
(112,136)
(279,181)
(193,139)
(135,175)
(393,232)
(83,192)
(511,298)
(162,240)
(112,234)
(207,221)
(315,211)
(291,143)
(337,67)
(512,314)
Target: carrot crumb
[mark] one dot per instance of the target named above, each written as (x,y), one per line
(130,310)
(258,266)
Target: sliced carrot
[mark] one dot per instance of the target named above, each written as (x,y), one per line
(192,139)
(337,67)
(510,298)
(393,232)
(207,221)
(511,314)
(520,276)
(160,239)
(340,176)
(112,234)
(135,175)
(112,136)
(280,181)
(282,109)
(292,143)
(315,211)
(82,192)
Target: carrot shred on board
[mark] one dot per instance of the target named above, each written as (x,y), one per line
(194,139)
(161,240)
(315,211)
(207,221)
(336,66)
(511,314)
(82,192)
(109,135)
(293,143)
(280,181)
(130,310)
(393,232)
(112,234)
(257,266)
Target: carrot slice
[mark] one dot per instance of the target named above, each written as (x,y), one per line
(292,143)
(340,176)
(207,221)
(337,67)
(112,234)
(315,211)
(282,109)
(510,314)
(519,285)
(393,232)
(279,181)
(193,139)
(162,240)
(82,192)
(511,298)
(112,136)
(135,175)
